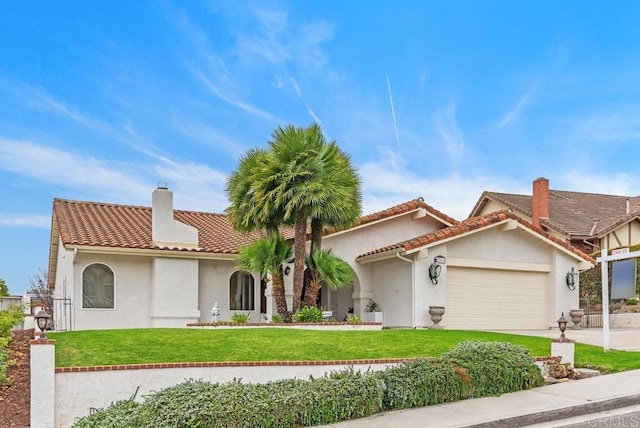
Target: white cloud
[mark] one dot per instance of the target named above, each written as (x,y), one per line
(449,132)
(234,102)
(593,182)
(25,220)
(389,182)
(514,113)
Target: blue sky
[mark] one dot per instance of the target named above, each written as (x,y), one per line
(101,100)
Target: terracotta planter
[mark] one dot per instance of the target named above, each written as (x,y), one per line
(436,312)
(576,318)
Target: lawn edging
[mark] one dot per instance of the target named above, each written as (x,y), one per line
(330,325)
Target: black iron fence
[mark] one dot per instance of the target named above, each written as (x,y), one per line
(592,307)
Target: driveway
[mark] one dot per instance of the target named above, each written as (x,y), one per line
(624,339)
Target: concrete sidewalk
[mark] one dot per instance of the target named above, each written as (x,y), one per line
(517,409)
(523,408)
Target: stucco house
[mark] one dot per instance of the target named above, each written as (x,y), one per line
(588,221)
(122,266)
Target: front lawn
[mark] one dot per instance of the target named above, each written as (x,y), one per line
(137,346)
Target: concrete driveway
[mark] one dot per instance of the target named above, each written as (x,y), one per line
(624,339)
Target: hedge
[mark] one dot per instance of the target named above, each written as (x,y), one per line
(472,369)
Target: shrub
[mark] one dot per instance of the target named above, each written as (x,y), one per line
(8,319)
(277,319)
(308,314)
(632,302)
(353,319)
(241,318)
(422,382)
(495,367)
(372,306)
(471,369)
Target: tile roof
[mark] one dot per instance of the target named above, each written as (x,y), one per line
(395,210)
(573,213)
(471,224)
(125,226)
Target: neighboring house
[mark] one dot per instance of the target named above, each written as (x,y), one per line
(129,266)
(588,221)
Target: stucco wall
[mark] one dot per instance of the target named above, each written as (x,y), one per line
(357,241)
(174,292)
(132,277)
(392,290)
(213,286)
(624,236)
(77,392)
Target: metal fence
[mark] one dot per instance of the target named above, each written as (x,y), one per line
(592,312)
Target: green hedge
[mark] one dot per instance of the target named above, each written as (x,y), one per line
(473,369)
(8,319)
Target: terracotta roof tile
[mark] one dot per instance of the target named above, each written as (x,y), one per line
(126,226)
(471,224)
(399,209)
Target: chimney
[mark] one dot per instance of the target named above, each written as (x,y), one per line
(165,230)
(540,200)
(628,206)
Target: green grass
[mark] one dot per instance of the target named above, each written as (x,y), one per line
(136,346)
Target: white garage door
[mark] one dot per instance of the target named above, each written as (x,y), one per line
(486,299)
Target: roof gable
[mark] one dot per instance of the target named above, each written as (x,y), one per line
(395,211)
(472,225)
(571,213)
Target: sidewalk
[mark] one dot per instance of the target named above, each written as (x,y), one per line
(517,409)
(523,408)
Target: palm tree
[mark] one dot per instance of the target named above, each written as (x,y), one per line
(266,256)
(300,177)
(326,268)
(249,210)
(343,203)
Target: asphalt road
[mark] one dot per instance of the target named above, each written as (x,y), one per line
(626,417)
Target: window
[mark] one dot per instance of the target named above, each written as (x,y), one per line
(241,291)
(98,287)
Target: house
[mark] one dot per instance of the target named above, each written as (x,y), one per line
(588,221)
(124,266)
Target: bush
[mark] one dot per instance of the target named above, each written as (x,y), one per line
(472,369)
(8,319)
(495,367)
(240,318)
(308,314)
(372,306)
(353,319)
(277,319)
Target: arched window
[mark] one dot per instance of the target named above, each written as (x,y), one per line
(241,293)
(98,287)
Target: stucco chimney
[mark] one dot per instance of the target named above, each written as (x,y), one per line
(540,200)
(165,231)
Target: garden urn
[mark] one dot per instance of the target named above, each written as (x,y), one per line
(436,312)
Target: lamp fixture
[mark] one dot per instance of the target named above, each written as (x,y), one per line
(42,319)
(562,325)
(287,270)
(571,279)
(435,268)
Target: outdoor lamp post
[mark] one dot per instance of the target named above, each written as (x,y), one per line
(562,324)
(42,319)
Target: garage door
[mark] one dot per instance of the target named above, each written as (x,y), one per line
(487,299)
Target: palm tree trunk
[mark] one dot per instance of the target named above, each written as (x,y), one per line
(299,250)
(316,234)
(281,300)
(311,296)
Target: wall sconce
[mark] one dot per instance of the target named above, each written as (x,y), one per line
(562,325)
(436,268)
(572,278)
(287,270)
(42,319)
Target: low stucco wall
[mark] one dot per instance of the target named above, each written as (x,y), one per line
(78,389)
(624,320)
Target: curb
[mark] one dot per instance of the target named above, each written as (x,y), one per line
(563,413)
